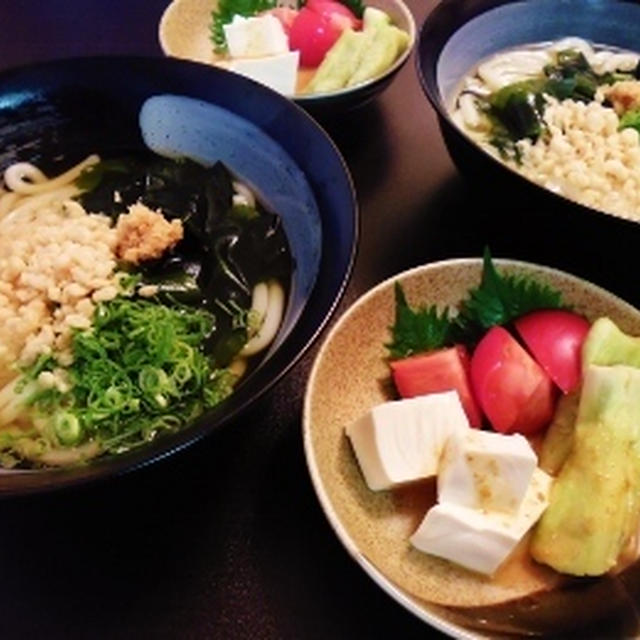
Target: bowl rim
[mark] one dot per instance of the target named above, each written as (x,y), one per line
(339,528)
(324,296)
(310,99)
(439,25)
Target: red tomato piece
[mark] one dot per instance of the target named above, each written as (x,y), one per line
(512,389)
(313,35)
(538,410)
(554,337)
(341,16)
(441,370)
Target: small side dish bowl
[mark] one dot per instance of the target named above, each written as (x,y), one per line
(375,526)
(185,32)
(460,34)
(54,114)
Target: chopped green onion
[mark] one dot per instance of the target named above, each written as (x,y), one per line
(139,370)
(67,428)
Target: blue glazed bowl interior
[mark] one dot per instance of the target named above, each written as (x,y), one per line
(55,114)
(178,126)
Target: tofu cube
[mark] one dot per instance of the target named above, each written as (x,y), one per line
(276,72)
(480,540)
(486,470)
(255,37)
(402,441)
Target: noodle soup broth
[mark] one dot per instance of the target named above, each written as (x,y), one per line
(135,294)
(564,114)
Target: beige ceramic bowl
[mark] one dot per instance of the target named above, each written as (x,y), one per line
(349,376)
(184,32)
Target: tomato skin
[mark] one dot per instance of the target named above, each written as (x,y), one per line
(513,390)
(554,337)
(313,35)
(538,412)
(440,370)
(338,13)
(317,26)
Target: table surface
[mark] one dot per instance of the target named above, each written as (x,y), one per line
(227,538)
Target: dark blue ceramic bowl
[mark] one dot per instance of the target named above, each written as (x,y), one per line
(460,33)
(57,113)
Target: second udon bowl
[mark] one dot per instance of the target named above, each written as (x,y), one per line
(459,34)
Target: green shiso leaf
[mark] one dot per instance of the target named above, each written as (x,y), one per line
(356,6)
(498,300)
(417,330)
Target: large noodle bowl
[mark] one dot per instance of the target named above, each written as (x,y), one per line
(564,114)
(112,328)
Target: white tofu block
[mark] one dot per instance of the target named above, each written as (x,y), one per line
(486,470)
(402,441)
(480,540)
(277,72)
(255,37)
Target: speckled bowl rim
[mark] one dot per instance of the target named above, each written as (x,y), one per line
(303,99)
(340,529)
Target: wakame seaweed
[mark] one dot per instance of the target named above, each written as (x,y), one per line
(225,251)
(518,107)
(516,110)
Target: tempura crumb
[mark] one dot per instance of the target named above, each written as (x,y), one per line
(586,157)
(52,262)
(143,234)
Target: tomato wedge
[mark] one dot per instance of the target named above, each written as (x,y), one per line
(513,390)
(554,337)
(436,371)
(313,35)
(316,28)
(336,12)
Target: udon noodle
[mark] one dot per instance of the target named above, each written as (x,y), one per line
(64,268)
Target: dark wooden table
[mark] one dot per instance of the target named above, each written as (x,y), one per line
(227,539)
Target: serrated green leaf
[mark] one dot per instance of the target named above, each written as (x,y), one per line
(356,6)
(501,299)
(417,330)
(498,300)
